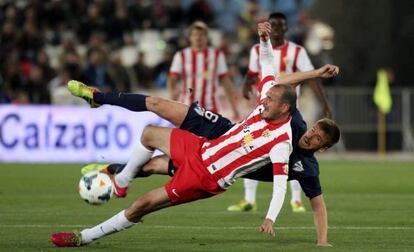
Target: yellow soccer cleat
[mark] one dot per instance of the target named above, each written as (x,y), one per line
(297,207)
(242,206)
(95,167)
(77,88)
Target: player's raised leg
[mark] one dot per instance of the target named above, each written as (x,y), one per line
(172,111)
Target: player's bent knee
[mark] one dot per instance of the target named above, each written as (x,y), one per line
(148,134)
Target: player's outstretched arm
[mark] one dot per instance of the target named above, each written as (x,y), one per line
(320,217)
(327,71)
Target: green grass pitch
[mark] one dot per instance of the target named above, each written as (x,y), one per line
(370,206)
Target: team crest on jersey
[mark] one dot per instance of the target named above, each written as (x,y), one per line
(205,74)
(286,168)
(266,133)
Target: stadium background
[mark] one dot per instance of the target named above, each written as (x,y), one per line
(45,43)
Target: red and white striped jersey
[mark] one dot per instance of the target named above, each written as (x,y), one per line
(288,58)
(200,72)
(247,146)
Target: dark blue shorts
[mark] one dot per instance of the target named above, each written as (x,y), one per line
(211,125)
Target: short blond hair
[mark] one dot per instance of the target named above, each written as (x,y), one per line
(200,25)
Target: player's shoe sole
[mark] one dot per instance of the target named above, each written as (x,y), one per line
(94,167)
(297,207)
(66,239)
(77,88)
(242,206)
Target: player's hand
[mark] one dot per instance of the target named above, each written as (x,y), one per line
(323,244)
(267,227)
(328,71)
(264,29)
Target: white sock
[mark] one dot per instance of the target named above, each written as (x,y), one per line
(139,157)
(116,223)
(250,188)
(295,190)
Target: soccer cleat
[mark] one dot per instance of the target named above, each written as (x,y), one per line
(297,207)
(242,206)
(83,91)
(120,192)
(95,167)
(68,239)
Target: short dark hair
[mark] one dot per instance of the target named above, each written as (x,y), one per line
(276,15)
(288,96)
(331,129)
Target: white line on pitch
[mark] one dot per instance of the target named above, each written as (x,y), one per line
(206,227)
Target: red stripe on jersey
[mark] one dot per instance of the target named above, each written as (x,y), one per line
(230,147)
(266,79)
(193,74)
(251,73)
(283,53)
(273,126)
(213,93)
(184,77)
(257,47)
(205,76)
(265,149)
(279,169)
(295,59)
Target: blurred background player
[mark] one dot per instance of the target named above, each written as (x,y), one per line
(288,57)
(200,68)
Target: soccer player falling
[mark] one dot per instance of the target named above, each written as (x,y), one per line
(263,137)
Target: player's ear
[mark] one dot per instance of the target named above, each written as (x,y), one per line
(323,149)
(285,108)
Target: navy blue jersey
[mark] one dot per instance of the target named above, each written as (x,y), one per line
(299,159)
(303,165)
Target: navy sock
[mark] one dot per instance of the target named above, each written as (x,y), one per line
(134,102)
(115,168)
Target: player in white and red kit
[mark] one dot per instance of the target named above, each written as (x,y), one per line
(201,69)
(206,168)
(288,58)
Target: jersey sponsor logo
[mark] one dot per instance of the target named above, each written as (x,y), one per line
(298,167)
(247,139)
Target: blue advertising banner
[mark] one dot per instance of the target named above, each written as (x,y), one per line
(44,134)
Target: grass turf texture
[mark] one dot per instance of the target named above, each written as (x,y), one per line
(370,206)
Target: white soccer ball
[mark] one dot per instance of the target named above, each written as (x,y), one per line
(95,188)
